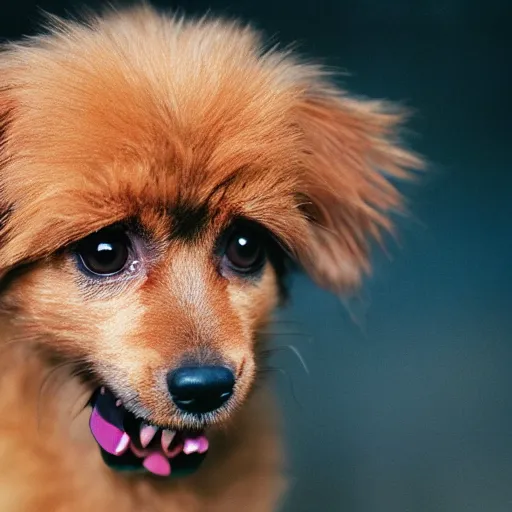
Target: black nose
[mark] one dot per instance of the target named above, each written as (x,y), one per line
(200,389)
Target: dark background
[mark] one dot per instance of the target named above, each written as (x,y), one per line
(406,407)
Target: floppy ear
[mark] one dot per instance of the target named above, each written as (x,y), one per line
(350,155)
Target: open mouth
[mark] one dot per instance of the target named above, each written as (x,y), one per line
(129,444)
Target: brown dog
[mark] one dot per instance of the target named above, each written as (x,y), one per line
(157,175)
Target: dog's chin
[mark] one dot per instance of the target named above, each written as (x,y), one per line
(128,443)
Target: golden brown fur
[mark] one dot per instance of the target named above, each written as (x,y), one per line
(137,114)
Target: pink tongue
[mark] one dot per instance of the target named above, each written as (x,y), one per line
(157,464)
(108,436)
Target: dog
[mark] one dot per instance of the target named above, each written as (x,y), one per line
(159,179)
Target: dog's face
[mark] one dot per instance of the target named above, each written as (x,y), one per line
(155,177)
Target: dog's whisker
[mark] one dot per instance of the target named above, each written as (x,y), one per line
(299,356)
(282,371)
(6,345)
(82,400)
(45,383)
(284,333)
(291,348)
(84,396)
(282,321)
(278,327)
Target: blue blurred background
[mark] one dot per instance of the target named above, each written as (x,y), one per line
(407,406)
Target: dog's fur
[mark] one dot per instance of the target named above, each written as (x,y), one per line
(183,125)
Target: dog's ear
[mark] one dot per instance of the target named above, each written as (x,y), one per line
(351,156)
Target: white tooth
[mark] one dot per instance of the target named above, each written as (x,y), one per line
(191,446)
(122,445)
(119,403)
(102,390)
(167,437)
(147,433)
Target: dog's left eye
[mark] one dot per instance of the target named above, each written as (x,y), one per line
(245,250)
(105,253)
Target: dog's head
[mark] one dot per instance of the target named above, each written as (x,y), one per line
(156,175)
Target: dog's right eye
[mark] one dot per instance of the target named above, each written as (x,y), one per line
(105,253)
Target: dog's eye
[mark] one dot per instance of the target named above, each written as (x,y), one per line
(245,250)
(106,252)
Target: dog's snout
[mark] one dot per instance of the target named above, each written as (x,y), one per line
(200,389)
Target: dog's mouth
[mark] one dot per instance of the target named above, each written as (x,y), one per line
(127,443)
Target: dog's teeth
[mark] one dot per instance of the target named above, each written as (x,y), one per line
(167,437)
(191,446)
(198,444)
(203,444)
(147,433)
(119,402)
(102,390)
(123,444)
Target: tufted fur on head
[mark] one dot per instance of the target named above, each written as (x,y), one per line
(95,123)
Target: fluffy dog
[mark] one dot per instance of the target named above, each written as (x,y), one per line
(158,176)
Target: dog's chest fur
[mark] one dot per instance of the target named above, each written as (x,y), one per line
(50,463)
